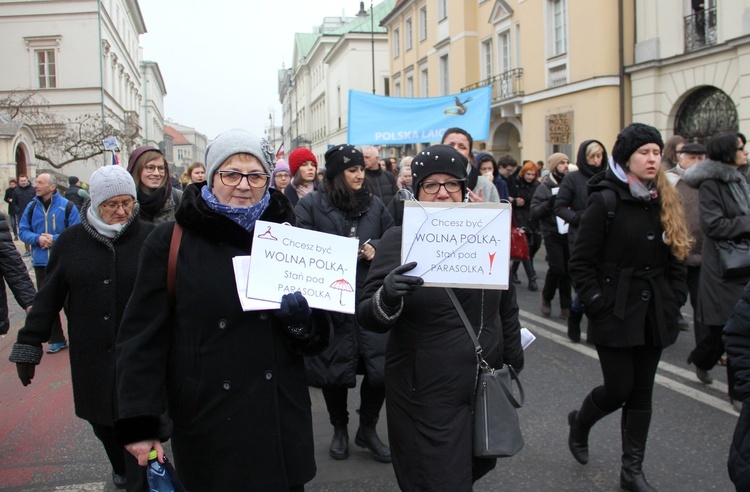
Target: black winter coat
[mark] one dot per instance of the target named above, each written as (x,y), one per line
(12,207)
(630,284)
(720,218)
(13,271)
(234,381)
(543,206)
(96,275)
(22,196)
(72,195)
(383,184)
(573,196)
(337,365)
(737,345)
(431,372)
(522,214)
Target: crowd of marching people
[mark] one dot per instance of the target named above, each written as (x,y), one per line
(161,349)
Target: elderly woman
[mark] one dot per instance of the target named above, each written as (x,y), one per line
(344,205)
(234,380)
(724,214)
(628,267)
(431,368)
(156,197)
(93,265)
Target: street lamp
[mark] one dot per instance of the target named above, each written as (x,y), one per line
(362,14)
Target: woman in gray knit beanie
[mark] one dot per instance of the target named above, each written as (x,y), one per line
(93,265)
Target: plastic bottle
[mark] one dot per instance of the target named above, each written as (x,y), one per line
(158,477)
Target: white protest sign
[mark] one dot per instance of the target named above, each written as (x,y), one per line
(458,244)
(287,259)
(562,226)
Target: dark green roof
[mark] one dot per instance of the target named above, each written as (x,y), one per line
(365,24)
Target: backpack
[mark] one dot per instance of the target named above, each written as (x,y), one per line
(30,211)
(610,203)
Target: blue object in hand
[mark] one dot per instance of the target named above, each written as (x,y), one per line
(159,479)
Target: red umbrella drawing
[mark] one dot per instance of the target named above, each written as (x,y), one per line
(343,286)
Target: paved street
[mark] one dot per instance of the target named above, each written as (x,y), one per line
(44,447)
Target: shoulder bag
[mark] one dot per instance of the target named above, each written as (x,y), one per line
(734,258)
(519,248)
(497,432)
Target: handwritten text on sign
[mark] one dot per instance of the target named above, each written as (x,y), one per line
(458,244)
(288,259)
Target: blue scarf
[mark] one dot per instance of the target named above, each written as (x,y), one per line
(244,216)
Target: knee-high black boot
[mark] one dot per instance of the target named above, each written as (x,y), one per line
(635,424)
(574,325)
(581,421)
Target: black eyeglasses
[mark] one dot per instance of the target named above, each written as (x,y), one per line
(234,178)
(433,187)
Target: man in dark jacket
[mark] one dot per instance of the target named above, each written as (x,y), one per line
(23,194)
(382,183)
(13,270)
(72,193)
(12,208)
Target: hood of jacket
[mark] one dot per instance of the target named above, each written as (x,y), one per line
(708,169)
(587,169)
(194,215)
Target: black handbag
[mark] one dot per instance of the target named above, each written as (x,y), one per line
(497,432)
(734,258)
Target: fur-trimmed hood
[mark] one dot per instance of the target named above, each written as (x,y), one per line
(709,169)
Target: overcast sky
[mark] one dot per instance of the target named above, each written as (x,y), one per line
(220,58)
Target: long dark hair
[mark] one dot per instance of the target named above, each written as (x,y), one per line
(723,147)
(341,195)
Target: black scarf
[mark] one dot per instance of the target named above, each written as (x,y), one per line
(153,203)
(353,208)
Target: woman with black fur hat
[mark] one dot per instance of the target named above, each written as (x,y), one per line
(628,268)
(724,202)
(431,367)
(345,206)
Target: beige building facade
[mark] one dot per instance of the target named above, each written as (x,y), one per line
(691,70)
(551,89)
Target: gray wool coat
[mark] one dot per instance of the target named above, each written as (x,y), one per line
(720,219)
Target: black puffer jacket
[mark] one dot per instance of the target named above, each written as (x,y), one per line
(96,274)
(382,183)
(337,365)
(737,345)
(13,270)
(573,196)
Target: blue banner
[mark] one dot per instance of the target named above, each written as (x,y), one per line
(383,120)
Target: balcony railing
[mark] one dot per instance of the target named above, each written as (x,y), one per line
(700,30)
(506,85)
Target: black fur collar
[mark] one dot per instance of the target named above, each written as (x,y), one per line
(194,215)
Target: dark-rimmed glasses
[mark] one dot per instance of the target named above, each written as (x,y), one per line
(433,187)
(234,178)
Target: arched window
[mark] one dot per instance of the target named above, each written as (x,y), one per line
(706,112)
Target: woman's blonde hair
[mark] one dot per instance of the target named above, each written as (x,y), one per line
(676,234)
(593,148)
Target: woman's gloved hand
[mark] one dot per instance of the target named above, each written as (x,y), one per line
(396,285)
(25,372)
(294,314)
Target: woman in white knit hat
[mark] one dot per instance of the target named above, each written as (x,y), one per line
(93,265)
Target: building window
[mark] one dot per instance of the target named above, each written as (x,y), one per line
(409,86)
(397,89)
(442,10)
(396,42)
(46,69)
(487,55)
(445,79)
(504,60)
(408,34)
(423,22)
(558,27)
(424,83)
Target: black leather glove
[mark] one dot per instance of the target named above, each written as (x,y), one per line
(294,314)
(25,372)
(396,285)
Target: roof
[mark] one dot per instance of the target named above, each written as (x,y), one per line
(304,42)
(365,24)
(177,138)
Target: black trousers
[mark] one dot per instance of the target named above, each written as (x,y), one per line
(707,353)
(534,241)
(371,401)
(629,374)
(558,277)
(123,463)
(57,334)
(693,282)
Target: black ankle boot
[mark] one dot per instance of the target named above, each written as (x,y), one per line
(533,287)
(574,326)
(339,449)
(581,421)
(634,428)
(367,437)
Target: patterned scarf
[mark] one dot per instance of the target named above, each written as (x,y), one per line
(639,190)
(244,216)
